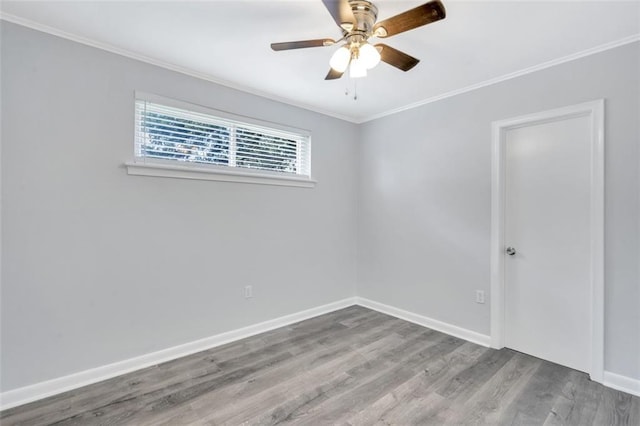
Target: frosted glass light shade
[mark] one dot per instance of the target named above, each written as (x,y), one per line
(358,68)
(369,55)
(340,59)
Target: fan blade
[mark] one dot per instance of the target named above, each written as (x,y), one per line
(341,12)
(333,74)
(302,44)
(396,58)
(414,18)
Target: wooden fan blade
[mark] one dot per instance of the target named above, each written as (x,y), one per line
(341,12)
(333,74)
(396,58)
(302,44)
(413,18)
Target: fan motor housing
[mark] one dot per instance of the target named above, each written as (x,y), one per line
(365,14)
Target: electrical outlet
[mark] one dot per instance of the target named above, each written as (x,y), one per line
(248,291)
(479,296)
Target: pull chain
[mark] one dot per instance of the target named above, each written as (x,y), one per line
(355,89)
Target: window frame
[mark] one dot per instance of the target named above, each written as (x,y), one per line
(156,167)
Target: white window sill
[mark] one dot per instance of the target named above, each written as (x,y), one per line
(203,173)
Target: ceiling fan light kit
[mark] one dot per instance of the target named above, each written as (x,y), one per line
(357,21)
(340,59)
(357,68)
(357,57)
(369,55)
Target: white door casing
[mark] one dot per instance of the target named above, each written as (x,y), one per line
(591,113)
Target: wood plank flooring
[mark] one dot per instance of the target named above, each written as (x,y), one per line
(350,367)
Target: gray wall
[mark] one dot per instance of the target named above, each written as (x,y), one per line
(100,266)
(425,192)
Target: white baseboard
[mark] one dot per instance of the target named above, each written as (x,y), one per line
(24,395)
(611,380)
(41,390)
(621,383)
(463,333)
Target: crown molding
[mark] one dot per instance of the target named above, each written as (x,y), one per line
(588,52)
(166,65)
(357,120)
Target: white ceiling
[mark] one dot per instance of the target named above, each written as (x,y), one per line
(228,42)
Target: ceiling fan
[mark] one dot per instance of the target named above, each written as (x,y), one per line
(357,21)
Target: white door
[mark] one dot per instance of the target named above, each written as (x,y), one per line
(547,291)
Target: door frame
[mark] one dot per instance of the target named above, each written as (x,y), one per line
(594,110)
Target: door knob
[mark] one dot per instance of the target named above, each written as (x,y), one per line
(511,251)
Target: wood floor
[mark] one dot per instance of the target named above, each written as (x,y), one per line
(351,367)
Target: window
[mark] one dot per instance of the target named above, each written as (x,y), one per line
(205,144)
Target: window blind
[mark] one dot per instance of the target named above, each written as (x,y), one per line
(165,133)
